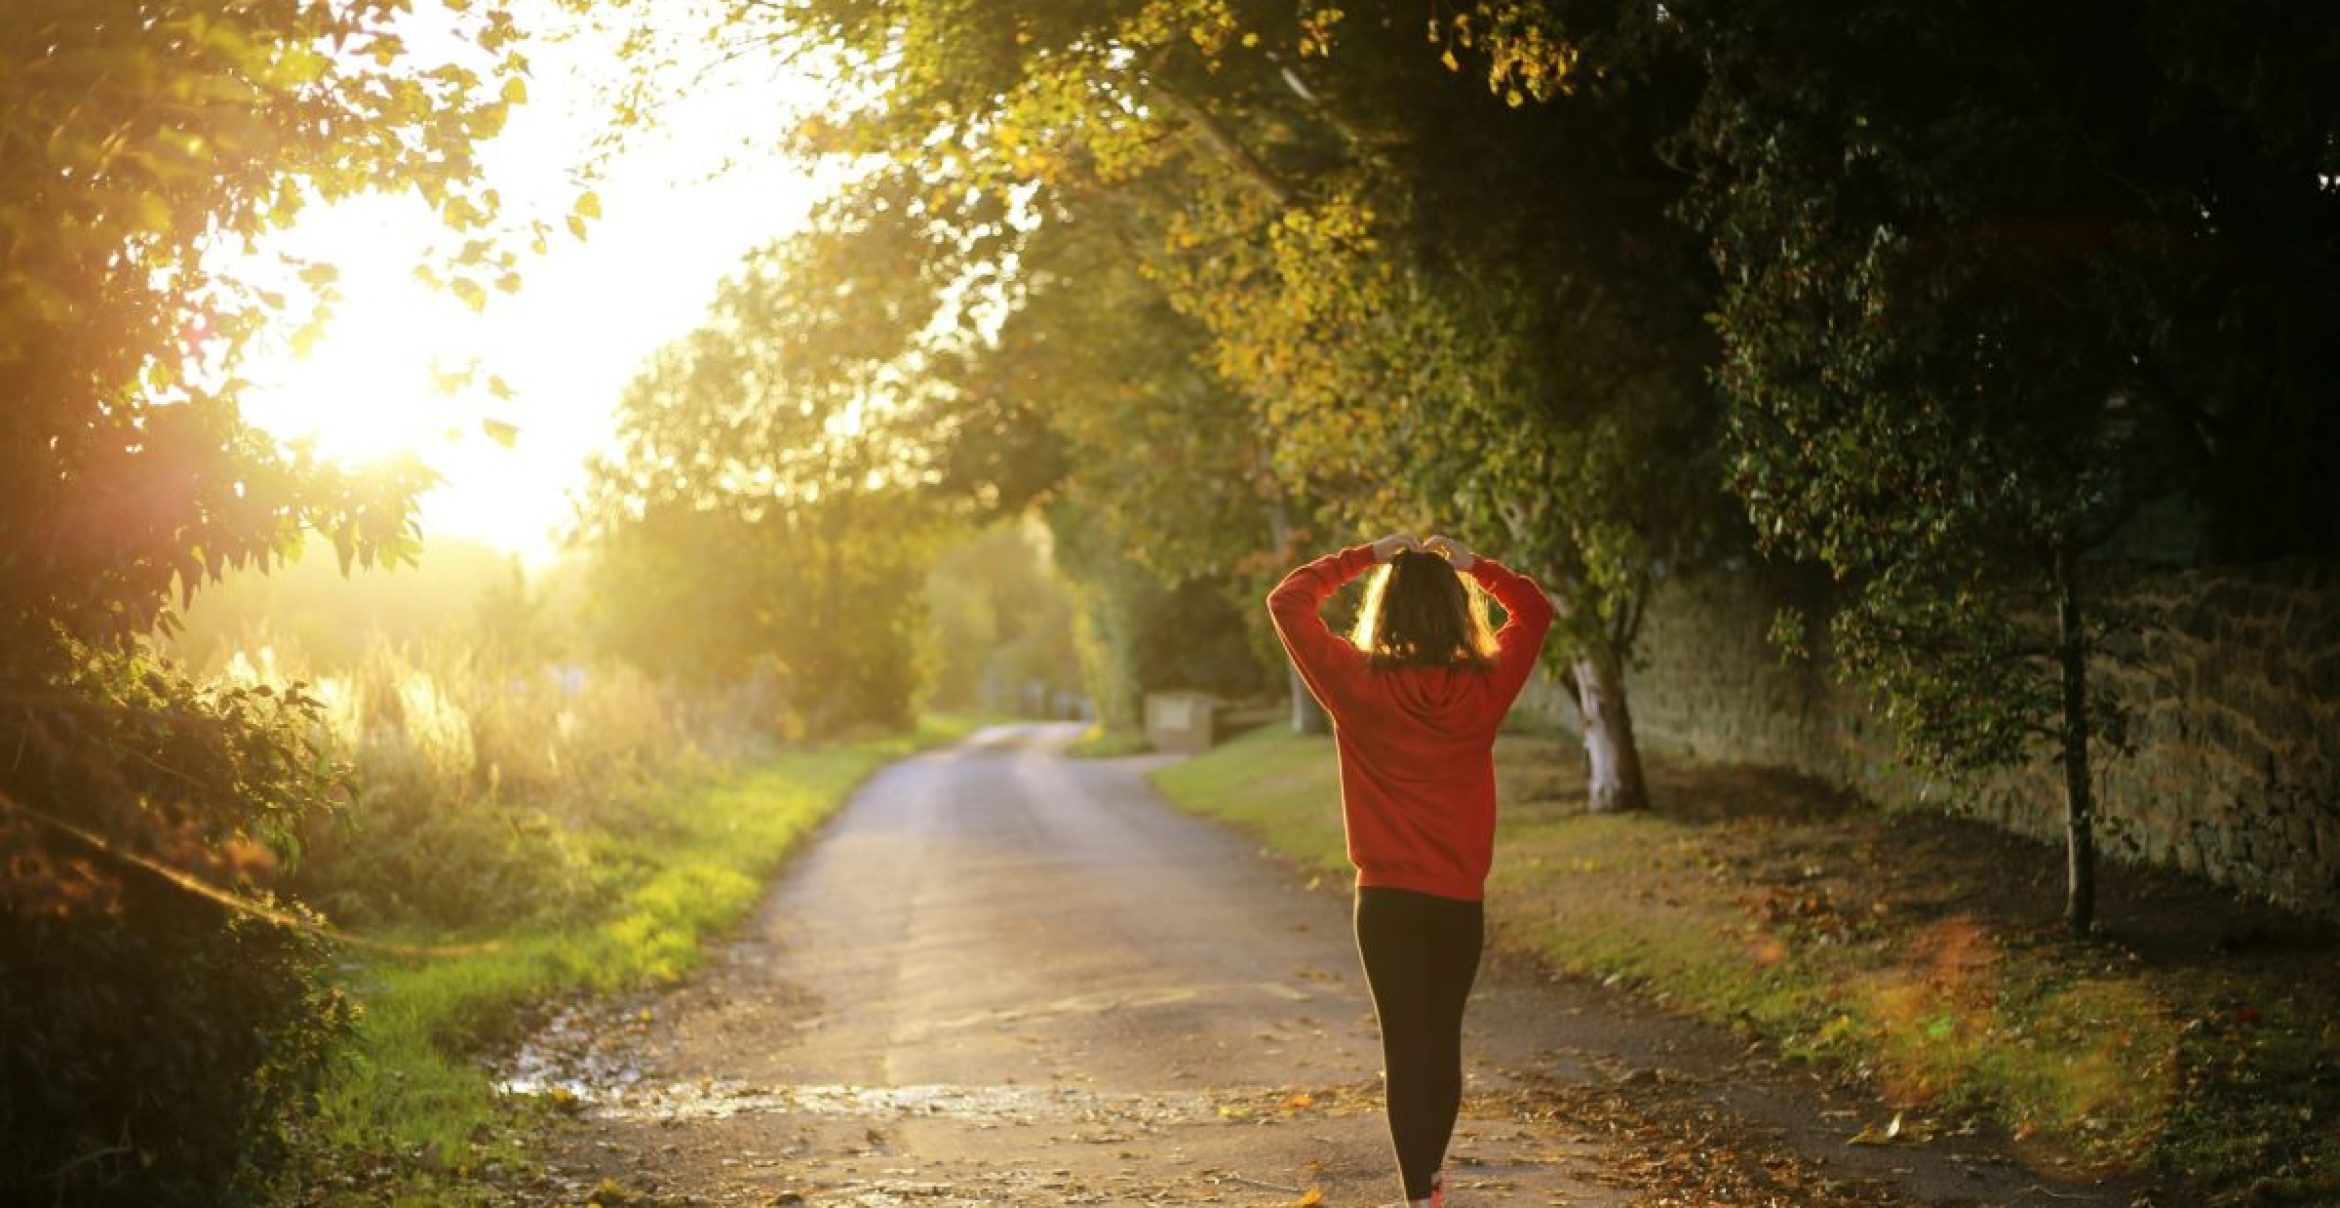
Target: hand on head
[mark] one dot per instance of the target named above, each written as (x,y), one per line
(1445,547)
(1452,550)
(1396,543)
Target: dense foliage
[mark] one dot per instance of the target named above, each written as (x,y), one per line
(1997,286)
(1340,243)
(157,1048)
(153,1042)
(1001,621)
(1986,297)
(764,515)
(1161,501)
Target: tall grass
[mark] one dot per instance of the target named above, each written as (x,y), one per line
(480,784)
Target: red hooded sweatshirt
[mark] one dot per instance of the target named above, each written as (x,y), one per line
(1416,743)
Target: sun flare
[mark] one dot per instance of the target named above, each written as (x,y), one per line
(404,367)
(370,387)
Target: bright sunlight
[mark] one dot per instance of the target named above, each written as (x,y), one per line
(403,366)
(628,603)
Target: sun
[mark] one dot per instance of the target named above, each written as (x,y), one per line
(369,387)
(679,209)
(399,371)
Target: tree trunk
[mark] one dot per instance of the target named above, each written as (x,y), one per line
(1609,746)
(1308,717)
(2079,800)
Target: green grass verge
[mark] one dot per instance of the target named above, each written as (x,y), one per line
(412,1117)
(1833,935)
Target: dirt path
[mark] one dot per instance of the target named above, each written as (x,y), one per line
(1002,976)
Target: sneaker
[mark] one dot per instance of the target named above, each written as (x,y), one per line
(1438,1191)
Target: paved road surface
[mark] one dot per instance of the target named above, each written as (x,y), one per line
(1002,976)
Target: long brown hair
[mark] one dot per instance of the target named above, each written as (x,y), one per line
(1419,613)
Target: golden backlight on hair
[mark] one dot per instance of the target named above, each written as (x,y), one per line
(1419,613)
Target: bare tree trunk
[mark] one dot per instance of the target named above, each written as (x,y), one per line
(2079,799)
(1615,782)
(1609,746)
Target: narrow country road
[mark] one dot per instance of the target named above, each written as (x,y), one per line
(1003,976)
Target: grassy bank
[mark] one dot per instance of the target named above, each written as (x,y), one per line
(412,1116)
(2199,1040)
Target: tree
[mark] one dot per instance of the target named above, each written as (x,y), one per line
(1483,310)
(154,1043)
(1313,193)
(1003,620)
(1993,282)
(1058,377)
(766,509)
(1161,504)
(139,141)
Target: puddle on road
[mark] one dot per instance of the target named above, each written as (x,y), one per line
(715,1099)
(579,1058)
(588,1057)
(578,1054)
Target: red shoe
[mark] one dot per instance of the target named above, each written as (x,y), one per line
(1438,1191)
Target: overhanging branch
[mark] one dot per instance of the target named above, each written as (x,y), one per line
(1222,142)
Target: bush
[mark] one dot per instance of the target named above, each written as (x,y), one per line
(156,1048)
(480,782)
(159,1055)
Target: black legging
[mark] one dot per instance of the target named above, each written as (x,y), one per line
(1421,953)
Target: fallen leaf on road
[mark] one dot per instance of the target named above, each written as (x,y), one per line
(1309,1198)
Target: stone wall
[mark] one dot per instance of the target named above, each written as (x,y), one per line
(2233,683)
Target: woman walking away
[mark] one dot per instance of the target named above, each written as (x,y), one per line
(1415,695)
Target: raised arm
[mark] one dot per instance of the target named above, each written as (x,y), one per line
(1329,664)
(1528,613)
